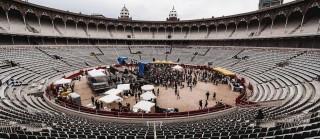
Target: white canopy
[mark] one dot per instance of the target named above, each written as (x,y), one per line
(177,67)
(110,98)
(147,87)
(143,105)
(148,96)
(96,73)
(113,92)
(73,95)
(62,81)
(125,87)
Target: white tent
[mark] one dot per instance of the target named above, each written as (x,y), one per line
(96,73)
(62,81)
(177,67)
(124,87)
(110,98)
(73,95)
(113,92)
(147,87)
(148,96)
(143,105)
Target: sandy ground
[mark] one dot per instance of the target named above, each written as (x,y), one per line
(167,99)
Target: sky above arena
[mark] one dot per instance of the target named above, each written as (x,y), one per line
(155,9)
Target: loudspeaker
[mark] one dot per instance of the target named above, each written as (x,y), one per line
(178,60)
(153,59)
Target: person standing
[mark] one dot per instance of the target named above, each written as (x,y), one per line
(139,95)
(206,104)
(200,104)
(214,95)
(191,88)
(207,94)
(101,105)
(92,100)
(128,106)
(178,95)
(158,91)
(120,106)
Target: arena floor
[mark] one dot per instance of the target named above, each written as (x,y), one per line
(167,99)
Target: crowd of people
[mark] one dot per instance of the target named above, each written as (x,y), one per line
(96,103)
(163,75)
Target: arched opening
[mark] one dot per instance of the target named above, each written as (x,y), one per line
(203,31)
(193,32)
(46,25)
(169,34)
(153,32)
(311,21)
(185,31)
(230,29)
(177,32)
(294,22)
(129,32)
(4,27)
(71,28)
(82,29)
(137,32)
(161,33)
(59,28)
(120,31)
(221,31)
(241,31)
(279,25)
(32,23)
(102,33)
(253,28)
(212,31)
(265,27)
(112,30)
(92,30)
(16,21)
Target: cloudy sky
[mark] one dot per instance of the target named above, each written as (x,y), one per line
(155,9)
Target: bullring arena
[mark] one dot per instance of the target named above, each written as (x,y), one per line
(70,75)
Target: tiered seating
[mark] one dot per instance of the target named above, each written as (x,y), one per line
(293,84)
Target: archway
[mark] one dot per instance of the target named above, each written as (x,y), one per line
(46,25)
(221,31)
(120,31)
(241,31)
(231,28)
(253,28)
(279,24)
(265,26)
(203,32)
(311,21)
(59,28)
(102,33)
(82,29)
(129,32)
(112,30)
(16,20)
(92,30)
(212,31)
(71,28)
(32,22)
